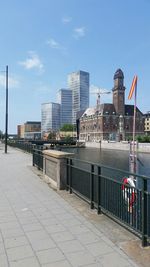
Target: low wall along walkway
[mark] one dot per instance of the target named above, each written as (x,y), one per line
(54,167)
(142,147)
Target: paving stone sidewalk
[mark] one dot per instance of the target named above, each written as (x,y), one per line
(39,228)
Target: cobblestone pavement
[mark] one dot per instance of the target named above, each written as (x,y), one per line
(40,228)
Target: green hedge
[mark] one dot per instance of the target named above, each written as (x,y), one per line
(140,138)
(143,138)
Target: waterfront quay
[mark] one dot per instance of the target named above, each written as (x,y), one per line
(42,227)
(123,146)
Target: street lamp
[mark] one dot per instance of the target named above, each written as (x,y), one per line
(6,119)
(6,114)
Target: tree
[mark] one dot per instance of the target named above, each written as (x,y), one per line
(68,139)
(1,135)
(52,135)
(68,128)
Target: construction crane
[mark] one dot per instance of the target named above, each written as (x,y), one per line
(99,91)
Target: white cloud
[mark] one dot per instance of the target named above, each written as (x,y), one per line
(98,90)
(53,44)
(66,20)
(12,81)
(79,32)
(32,62)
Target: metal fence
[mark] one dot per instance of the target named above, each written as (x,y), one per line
(38,158)
(27,147)
(102,187)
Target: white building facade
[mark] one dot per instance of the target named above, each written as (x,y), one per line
(64,98)
(78,82)
(50,117)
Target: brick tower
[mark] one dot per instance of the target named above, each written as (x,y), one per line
(119,92)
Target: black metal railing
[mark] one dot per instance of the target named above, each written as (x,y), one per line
(27,147)
(38,158)
(103,188)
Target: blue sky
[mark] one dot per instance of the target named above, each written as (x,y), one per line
(44,40)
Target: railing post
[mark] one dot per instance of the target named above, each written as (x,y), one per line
(92,186)
(99,191)
(44,165)
(38,152)
(33,158)
(70,177)
(144,214)
(67,174)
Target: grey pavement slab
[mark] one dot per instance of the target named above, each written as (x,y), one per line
(88,238)
(50,255)
(20,252)
(3,260)
(81,258)
(9,225)
(63,263)
(2,248)
(78,229)
(32,227)
(37,235)
(13,232)
(43,244)
(49,221)
(62,236)
(55,228)
(16,241)
(1,239)
(25,221)
(99,248)
(38,228)
(98,264)
(71,246)
(114,260)
(29,262)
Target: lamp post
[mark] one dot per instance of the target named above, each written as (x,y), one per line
(6,115)
(6,112)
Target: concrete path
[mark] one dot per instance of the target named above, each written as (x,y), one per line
(40,228)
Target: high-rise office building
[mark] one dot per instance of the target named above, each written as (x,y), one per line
(50,117)
(64,98)
(78,82)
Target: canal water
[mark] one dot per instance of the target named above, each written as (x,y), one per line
(112,158)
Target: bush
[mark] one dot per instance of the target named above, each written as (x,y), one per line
(68,128)
(143,139)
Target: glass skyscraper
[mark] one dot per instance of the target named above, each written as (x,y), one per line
(50,117)
(64,98)
(78,82)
